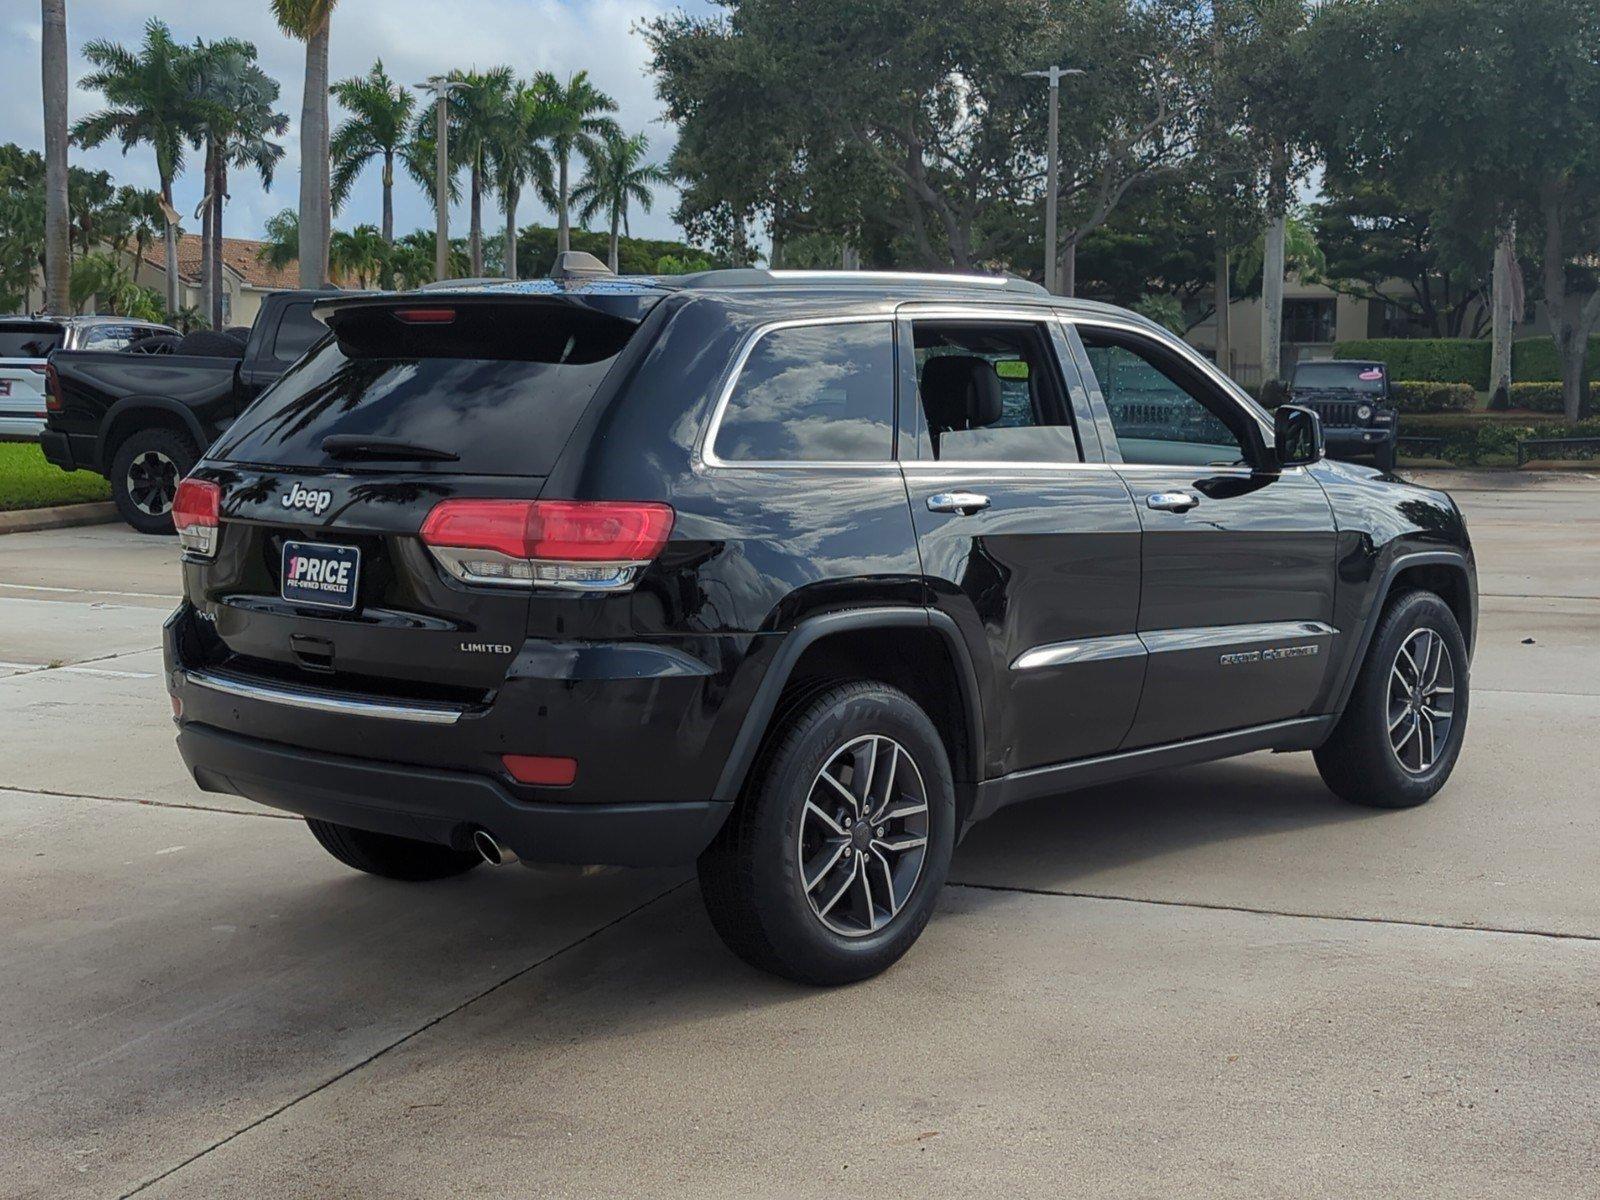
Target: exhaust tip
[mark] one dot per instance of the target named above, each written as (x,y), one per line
(491,851)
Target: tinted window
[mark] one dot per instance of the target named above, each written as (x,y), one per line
(813,393)
(991,392)
(30,339)
(500,387)
(107,337)
(1160,413)
(298,331)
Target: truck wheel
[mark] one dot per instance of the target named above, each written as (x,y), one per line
(1384,457)
(832,861)
(144,476)
(389,856)
(1400,735)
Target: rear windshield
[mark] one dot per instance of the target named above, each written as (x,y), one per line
(484,389)
(1353,377)
(31,339)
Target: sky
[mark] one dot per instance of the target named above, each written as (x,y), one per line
(414,38)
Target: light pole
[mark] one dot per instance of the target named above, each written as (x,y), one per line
(1052,168)
(441,87)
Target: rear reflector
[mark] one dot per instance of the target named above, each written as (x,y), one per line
(52,389)
(541,769)
(197,516)
(582,545)
(426,316)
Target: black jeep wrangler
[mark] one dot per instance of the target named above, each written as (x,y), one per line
(793,575)
(1352,398)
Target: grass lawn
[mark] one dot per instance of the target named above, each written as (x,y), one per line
(27,481)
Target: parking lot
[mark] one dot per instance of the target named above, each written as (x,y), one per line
(1215,981)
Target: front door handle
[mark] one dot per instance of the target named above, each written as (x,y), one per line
(1172,501)
(965,503)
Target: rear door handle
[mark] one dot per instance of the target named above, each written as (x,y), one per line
(1172,501)
(965,503)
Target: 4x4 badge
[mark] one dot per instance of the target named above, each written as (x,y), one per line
(312,501)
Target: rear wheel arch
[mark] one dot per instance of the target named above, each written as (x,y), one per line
(129,416)
(915,650)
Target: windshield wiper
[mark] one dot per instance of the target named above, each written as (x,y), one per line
(356,445)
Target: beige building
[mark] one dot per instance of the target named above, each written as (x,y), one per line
(245,278)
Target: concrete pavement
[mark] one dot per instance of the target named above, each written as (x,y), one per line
(1217,981)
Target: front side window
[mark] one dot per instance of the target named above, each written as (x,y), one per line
(107,337)
(1161,411)
(990,392)
(298,331)
(813,393)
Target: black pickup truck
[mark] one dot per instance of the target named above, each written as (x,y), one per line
(143,421)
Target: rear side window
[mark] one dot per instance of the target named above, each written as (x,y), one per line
(813,393)
(298,331)
(496,390)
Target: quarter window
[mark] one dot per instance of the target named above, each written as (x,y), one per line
(813,393)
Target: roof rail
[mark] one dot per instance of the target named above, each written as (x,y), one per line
(739,277)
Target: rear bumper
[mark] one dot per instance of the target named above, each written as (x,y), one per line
(69,451)
(445,806)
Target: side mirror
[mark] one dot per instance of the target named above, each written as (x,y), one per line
(1297,435)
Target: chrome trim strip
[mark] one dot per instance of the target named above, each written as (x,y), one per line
(1163,641)
(708,443)
(1086,650)
(324,702)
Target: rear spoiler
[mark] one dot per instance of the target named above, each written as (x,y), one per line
(625,301)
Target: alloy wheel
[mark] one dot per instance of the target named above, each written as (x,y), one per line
(863,836)
(1421,700)
(152,483)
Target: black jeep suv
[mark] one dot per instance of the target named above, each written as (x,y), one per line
(1352,398)
(796,575)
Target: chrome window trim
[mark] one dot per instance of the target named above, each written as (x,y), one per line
(708,442)
(324,702)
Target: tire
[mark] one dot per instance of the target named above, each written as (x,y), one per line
(1363,762)
(389,856)
(1384,458)
(144,475)
(751,875)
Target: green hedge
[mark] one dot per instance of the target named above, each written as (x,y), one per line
(1431,360)
(1478,440)
(1537,397)
(1419,396)
(1536,359)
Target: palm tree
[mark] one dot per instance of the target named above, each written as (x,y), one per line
(475,113)
(152,103)
(140,220)
(518,158)
(282,243)
(57,253)
(380,118)
(308,21)
(237,122)
(617,176)
(362,254)
(575,112)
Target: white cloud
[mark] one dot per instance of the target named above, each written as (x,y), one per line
(415,38)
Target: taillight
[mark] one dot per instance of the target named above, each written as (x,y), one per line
(197,516)
(578,545)
(52,389)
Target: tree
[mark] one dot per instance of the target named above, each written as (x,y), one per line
(54,73)
(379,122)
(413,259)
(361,254)
(151,98)
(139,220)
(22,233)
(475,112)
(309,21)
(235,99)
(1401,95)
(1369,237)
(92,213)
(926,143)
(282,243)
(519,158)
(618,176)
(575,122)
